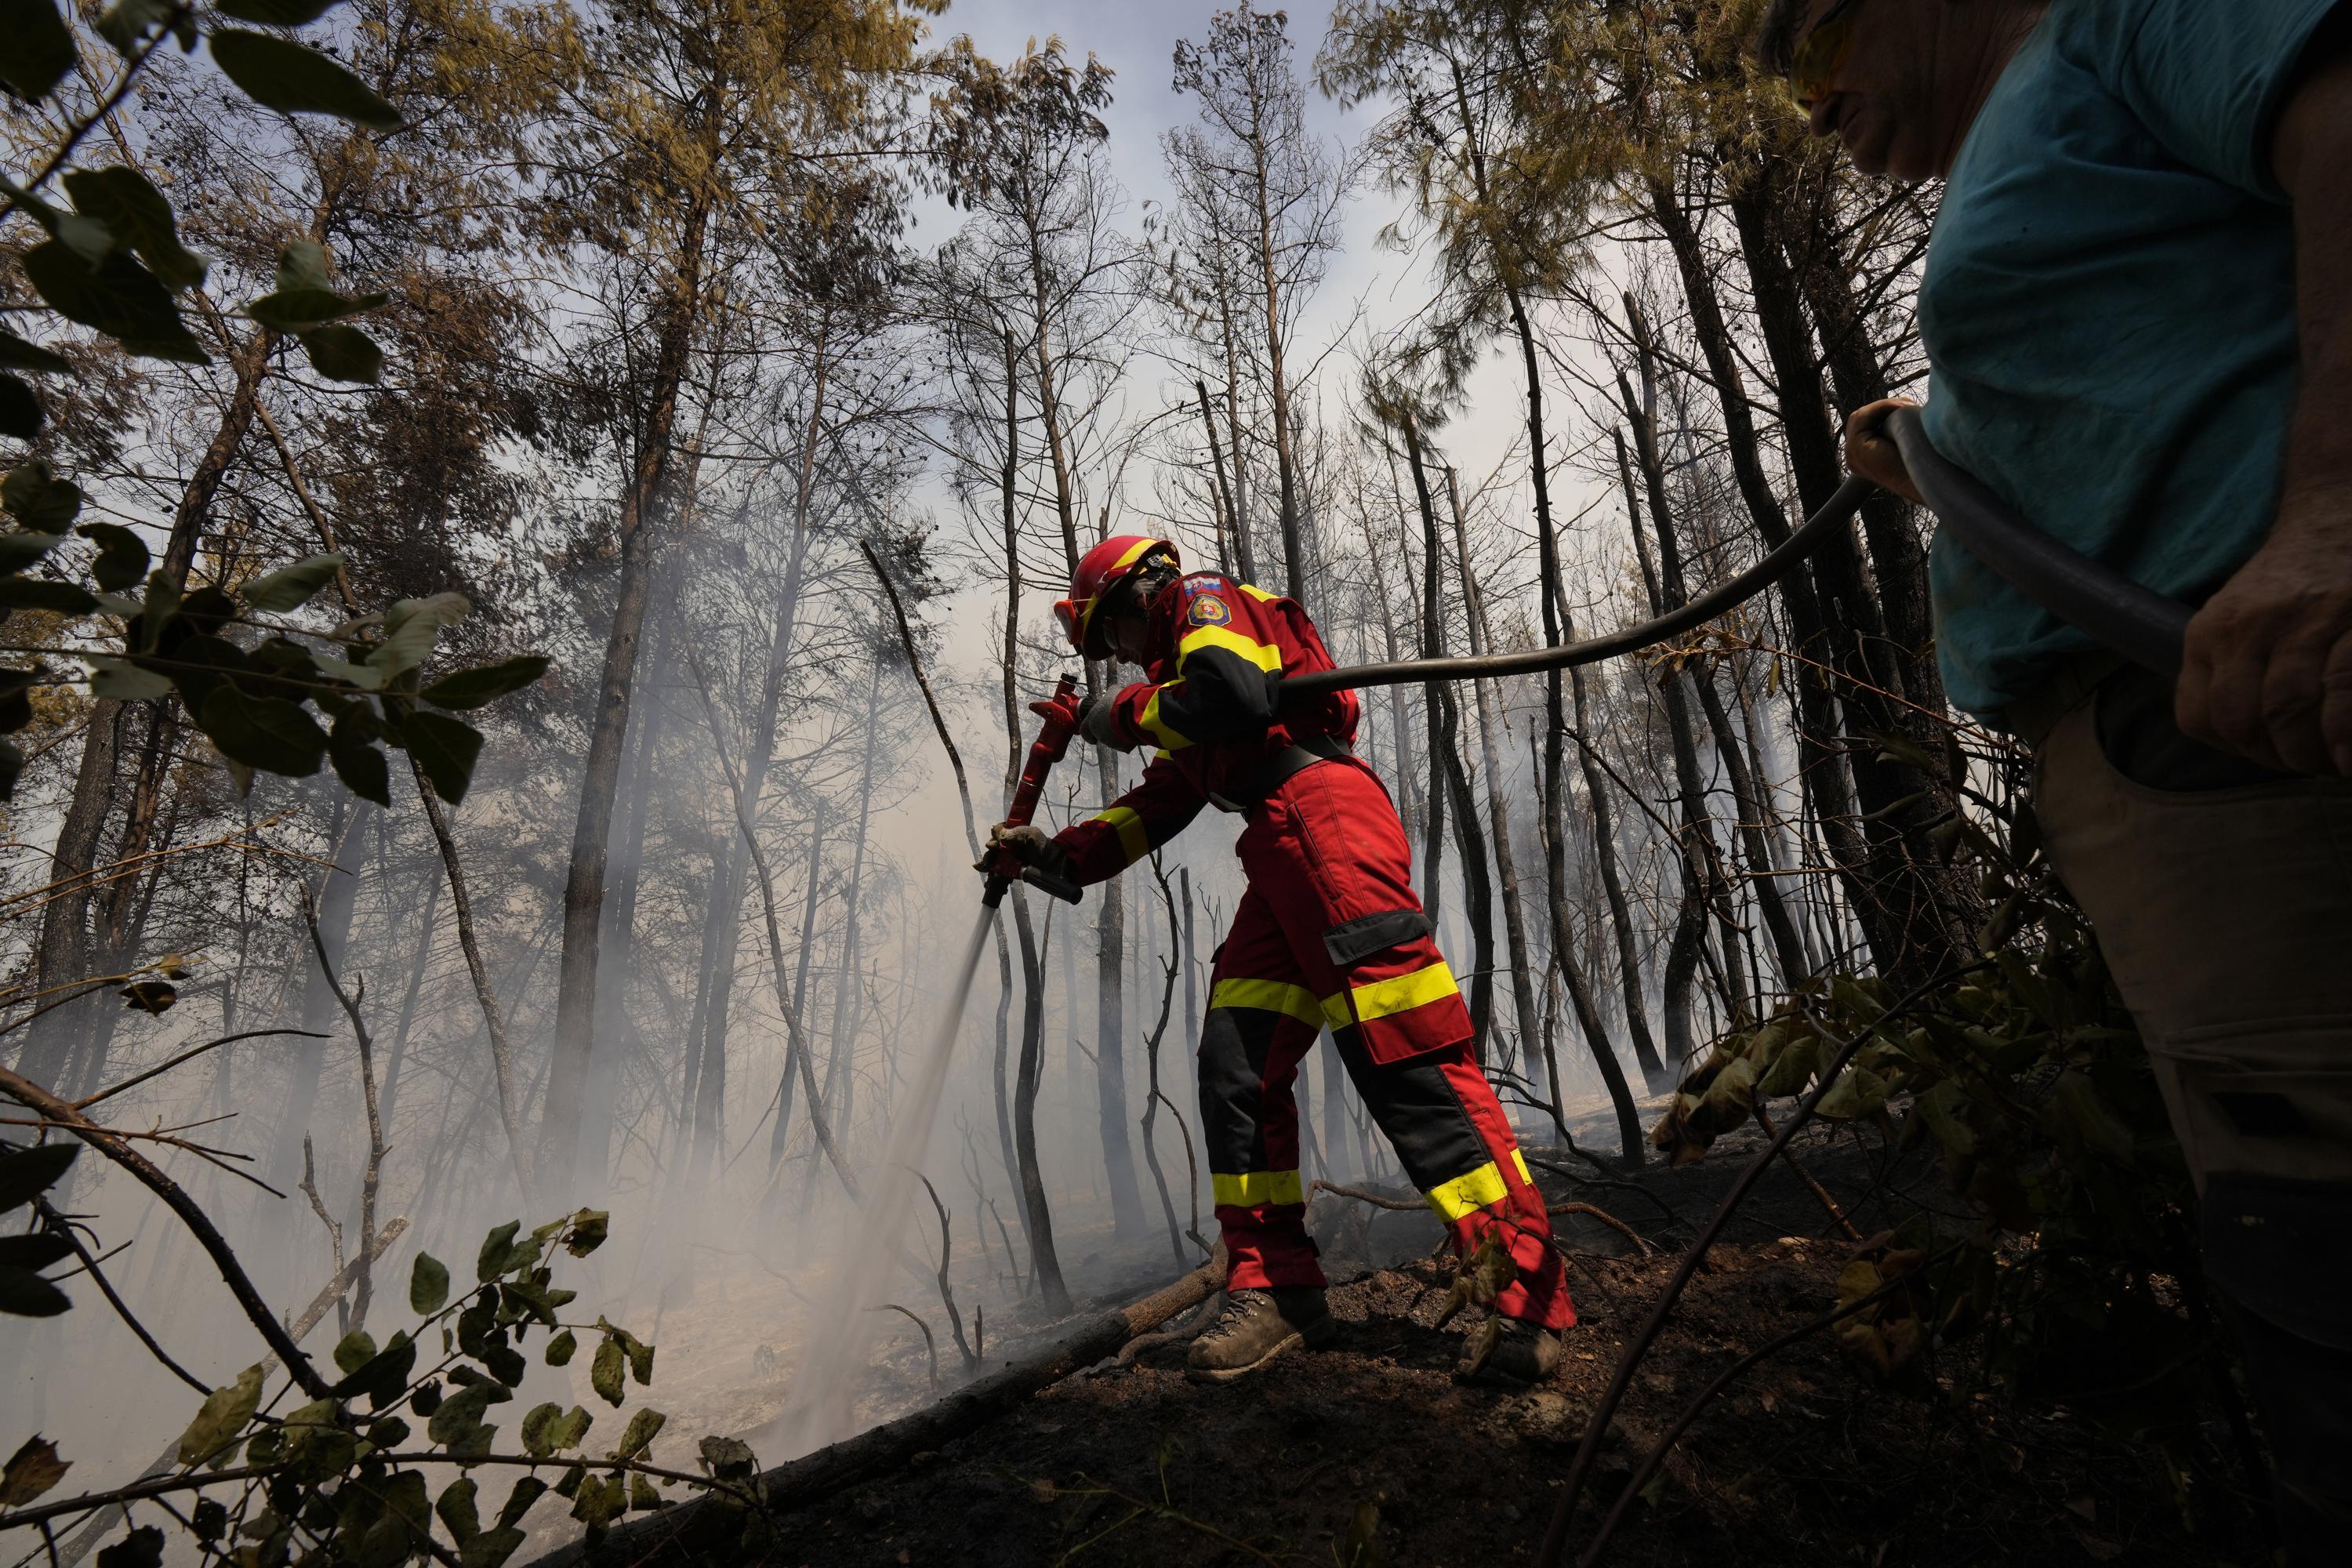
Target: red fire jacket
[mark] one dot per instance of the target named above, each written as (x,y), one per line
(1218,646)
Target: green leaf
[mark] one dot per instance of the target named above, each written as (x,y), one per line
(354,1350)
(1857,1092)
(20,549)
(222,1416)
(539,1423)
(123,556)
(15,696)
(302,309)
(25,1294)
(278,74)
(26,1172)
(642,1428)
(20,409)
(410,626)
(504,1361)
(458,1509)
(277,12)
(497,1254)
(119,298)
(560,1348)
(485,683)
(605,1372)
(587,1231)
(41,594)
(526,1491)
(138,216)
(490,1547)
(36,49)
(15,353)
(126,22)
(462,1412)
(343,353)
(302,265)
(39,501)
(33,1469)
(444,748)
(600,1500)
(383,1377)
(428,1284)
(363,768)
(267,733)
(291,587)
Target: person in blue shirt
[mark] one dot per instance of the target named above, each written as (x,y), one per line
(2136,307)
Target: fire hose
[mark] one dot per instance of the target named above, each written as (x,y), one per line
(2142,625)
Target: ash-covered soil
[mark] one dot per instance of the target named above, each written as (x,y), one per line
(1801,1463)
(1804,1461)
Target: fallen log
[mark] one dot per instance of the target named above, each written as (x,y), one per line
(707,1526)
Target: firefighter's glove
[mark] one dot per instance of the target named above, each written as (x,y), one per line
(1027,845)
(1098,721)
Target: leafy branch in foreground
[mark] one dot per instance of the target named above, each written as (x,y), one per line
(273,698)
(2078,1274)
(328,1482)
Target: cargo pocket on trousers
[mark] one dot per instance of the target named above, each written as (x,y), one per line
(2270,1099)
(1399,1000)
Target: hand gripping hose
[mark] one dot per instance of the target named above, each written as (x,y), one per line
(1059,714)
(2146,627)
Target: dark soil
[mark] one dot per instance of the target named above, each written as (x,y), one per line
(1803,1461)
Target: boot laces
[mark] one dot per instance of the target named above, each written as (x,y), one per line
(1240,1306)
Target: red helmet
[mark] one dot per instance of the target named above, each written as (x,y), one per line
(1101,570)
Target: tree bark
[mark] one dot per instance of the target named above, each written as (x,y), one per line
(1515,933)
(583,888)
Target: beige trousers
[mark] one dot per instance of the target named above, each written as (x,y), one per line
(2223,906)
(2226,919)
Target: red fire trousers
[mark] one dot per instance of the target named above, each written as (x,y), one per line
(1331,932)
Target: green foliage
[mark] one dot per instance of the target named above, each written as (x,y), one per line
(280,74)
(273,698)
(2077,1279)
(25,1175)
(346,1483)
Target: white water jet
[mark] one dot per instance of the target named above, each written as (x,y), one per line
(821,1407)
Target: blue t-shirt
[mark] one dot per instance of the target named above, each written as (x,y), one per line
(2108,310)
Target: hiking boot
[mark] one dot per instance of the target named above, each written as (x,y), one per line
(1257,1326)
(1511,1349)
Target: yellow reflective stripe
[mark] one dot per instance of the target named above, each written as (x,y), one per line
(1170,738)
(1256,1189)
(1480,1189)
(1266,656)
(1132,834)
(1334,1011)
(1521,1162)
(1381,998)
(1255,592)
(1267,996)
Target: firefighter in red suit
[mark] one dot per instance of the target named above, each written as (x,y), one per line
(1330,932)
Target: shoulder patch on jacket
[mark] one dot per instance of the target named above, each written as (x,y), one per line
(1208,610)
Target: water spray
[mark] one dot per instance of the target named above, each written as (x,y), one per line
(824,1390)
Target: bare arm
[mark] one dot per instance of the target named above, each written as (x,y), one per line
(2268,672)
